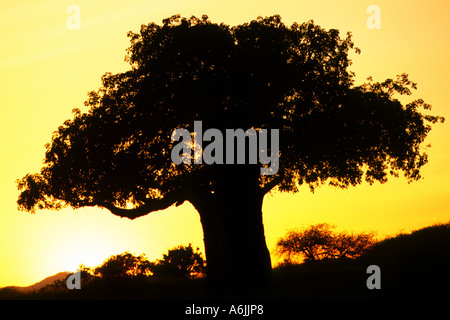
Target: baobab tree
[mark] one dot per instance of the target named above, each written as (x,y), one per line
(258,75)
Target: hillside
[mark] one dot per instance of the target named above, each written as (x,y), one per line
(416,264)
(38,285)
(413,266)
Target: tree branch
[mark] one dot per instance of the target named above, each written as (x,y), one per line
(270,185)
(144,209)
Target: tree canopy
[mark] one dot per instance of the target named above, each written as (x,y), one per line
(261,74)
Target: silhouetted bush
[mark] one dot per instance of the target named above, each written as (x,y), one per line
(180,262)
(124,265)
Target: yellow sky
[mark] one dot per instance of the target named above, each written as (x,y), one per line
(46,70)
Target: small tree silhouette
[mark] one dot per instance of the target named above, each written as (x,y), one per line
(124,265)
(180,262)
(319,241)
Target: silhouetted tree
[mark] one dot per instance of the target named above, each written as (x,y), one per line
(319,241)
(123,265)
(260,75)
(180,262)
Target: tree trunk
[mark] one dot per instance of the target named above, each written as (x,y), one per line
(236,251)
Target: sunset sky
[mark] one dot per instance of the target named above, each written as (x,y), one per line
(47,69)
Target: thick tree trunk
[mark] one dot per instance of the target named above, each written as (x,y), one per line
(236,251)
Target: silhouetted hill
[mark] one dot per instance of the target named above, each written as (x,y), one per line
(413,266)
(416,264)
(431,242)
(38,285)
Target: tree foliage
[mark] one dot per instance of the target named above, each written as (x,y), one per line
(319,241)
(179,262)
(123,265)
(261,74)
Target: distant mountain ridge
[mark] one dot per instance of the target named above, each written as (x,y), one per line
(38,285)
